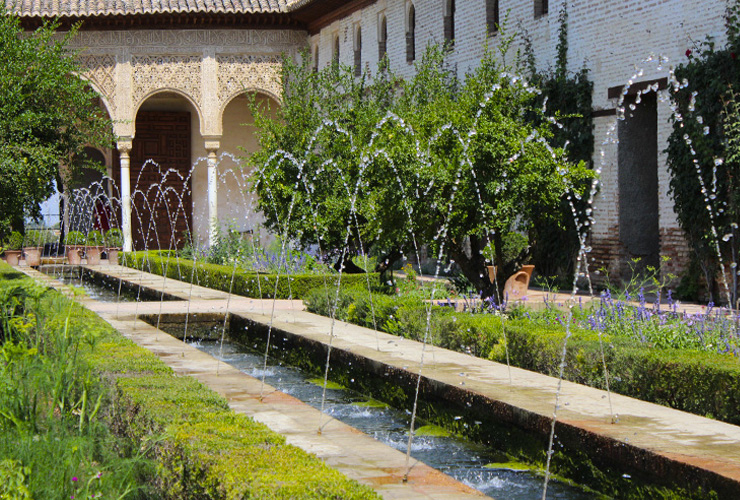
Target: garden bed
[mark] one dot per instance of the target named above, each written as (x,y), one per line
(641,361)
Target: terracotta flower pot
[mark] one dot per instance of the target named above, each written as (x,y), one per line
(74,255)
(113,254)
(12,257)
(93,255)
(33,256)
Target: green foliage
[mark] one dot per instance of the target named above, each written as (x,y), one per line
(705,167)
(14,241)
(75,238)
(235,249)
(688,378)
(349,163)
(13,481)
(113,238)
(566,97)
(514,246)
(226,278)
(698,382)
(95,238)
(40,237)
(407,316)
(48,115)
(55,442)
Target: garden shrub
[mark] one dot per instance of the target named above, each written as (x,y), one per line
(245,283)
(406,316)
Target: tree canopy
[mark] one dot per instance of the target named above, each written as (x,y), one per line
(47,116)
(385,166)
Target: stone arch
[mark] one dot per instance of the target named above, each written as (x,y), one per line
(236,207)
(163,90)
(271,94)
(249,90)
(335,48)
(382,35)
(449,21)
(105,100)
(357,39)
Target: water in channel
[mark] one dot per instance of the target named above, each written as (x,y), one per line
(467,462)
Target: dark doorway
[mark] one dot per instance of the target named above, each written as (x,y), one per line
(88,193)
(161,195)
(638,181)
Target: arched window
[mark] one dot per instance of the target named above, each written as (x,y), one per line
(492,16)
(335,55)
(449,22)
(316,57)
(382,37)
(411,34)
(358,50)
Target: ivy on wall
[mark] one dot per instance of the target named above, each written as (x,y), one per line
(566,96)
(704,162)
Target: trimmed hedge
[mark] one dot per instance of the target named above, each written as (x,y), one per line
(699,382)
(246,283)
(204,450)
(407,317)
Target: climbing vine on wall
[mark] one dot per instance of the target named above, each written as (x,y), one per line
(704,159)
(566,96)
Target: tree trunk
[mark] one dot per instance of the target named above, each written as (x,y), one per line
(385,263)
(345,265)
(473,267)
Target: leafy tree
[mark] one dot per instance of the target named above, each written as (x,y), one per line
(313,168)
(393,165)
(47,116)
(495,171)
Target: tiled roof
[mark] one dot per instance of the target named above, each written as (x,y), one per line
(93,8)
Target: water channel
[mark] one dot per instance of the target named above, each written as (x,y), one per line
(482,468)
(487,470)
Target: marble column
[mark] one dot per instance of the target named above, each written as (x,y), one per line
(124,148)
(212,146)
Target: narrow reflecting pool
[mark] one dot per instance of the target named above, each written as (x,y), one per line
(475,465)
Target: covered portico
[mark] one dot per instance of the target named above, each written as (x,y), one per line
(203,73)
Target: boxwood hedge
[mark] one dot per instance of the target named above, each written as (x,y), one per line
(245,283)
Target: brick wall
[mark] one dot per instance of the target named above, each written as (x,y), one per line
(616,41)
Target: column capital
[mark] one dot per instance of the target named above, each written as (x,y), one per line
(124,145)
(212,143)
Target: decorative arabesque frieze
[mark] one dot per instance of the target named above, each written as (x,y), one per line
(100,70)
(162,39)
(154,72)
(247,72)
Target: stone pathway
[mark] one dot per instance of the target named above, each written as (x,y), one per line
(678,442)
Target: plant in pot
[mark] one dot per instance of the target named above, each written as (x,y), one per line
(94,248)
(34,244)
(74,243)
(113,244)
(13,246)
